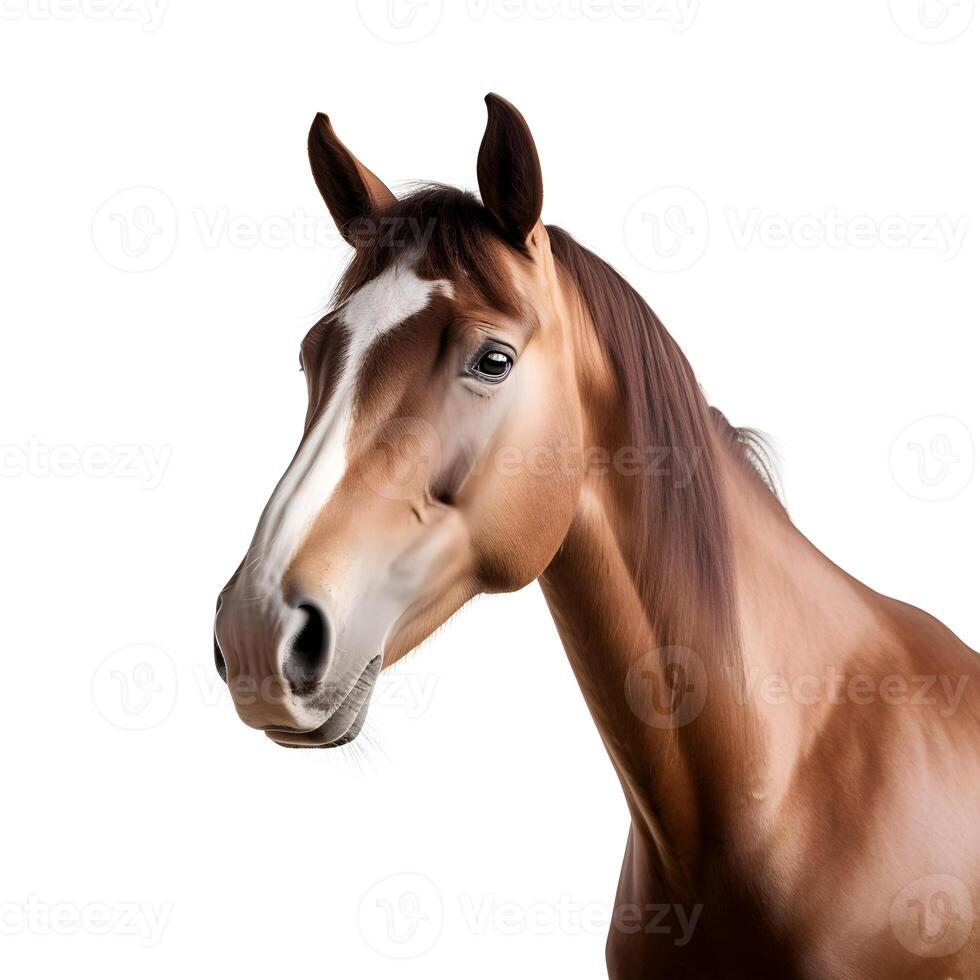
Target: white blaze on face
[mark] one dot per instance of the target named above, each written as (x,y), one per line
(306,487)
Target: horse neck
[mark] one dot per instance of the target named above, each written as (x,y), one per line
(666,713)
(700,759)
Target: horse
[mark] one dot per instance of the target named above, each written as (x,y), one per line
(491,404)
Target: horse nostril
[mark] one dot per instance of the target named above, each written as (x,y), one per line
(308,652)
(219,657)
(219,661)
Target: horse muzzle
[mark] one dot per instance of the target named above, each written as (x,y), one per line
(285,672)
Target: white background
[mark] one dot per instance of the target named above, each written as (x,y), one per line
(129,783)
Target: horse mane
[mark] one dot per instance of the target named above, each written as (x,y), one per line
(682,557)
(447,232)
(682,565)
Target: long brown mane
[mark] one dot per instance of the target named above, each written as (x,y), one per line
(682,561)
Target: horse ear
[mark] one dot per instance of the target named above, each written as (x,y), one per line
(509,172)
(351,192)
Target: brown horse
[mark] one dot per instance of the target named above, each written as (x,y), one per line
(489,404)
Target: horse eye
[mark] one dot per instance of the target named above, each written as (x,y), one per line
(493,365)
